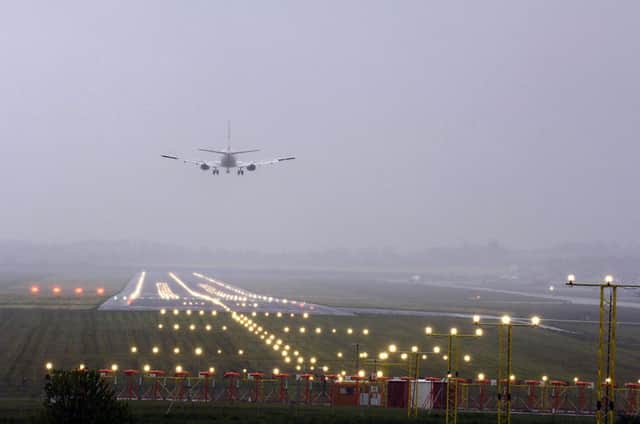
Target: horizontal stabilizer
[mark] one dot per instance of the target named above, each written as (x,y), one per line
(169,157)
(244,151)
(287,158)
(220,152)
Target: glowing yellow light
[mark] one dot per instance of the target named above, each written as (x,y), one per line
(403,356)
(163,311)
(479,332)
(365,331)
(608,279)
(147,368)
(333,330)
(219,351)
(240,352)
(383,355)
(160,326)
(312,360)
(467,358)
(224,328)
(81,367)
(576,379)
(318,330)
(506,319)
(300,359)
(134,349)
(476,319)
(454,331)
(176,312)
(198,351)
(481,376)
(276,371)
(571,279)
(212,370)
(436,349)
(349,330)
(114,367)
(512,377)
(302,330)
(176,326)
(392,348)
(325,368)
(361,373)
(178,369)
(428,330)
(155,349)
(176,350)
(535,321)
(188,311)
(287,359)
(445,357)
(339,354)
(379,374)
(545,378)
(286,329)
(192,327)
(414,349)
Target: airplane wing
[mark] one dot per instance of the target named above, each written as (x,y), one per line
(251,166)
(203,164)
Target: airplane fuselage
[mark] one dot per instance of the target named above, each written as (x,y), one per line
(228,161)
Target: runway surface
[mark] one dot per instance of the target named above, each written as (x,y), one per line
(155,290)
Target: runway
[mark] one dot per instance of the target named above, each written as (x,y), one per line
(157,290)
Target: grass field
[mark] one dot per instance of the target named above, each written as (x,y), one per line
(22,412)
(68,330)
(99,339)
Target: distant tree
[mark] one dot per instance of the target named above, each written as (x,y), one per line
(82,397)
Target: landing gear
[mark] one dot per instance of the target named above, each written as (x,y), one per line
(240,172)
(216,172)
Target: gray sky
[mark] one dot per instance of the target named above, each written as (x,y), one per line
(415,123)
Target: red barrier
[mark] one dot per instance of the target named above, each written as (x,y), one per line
(131,391)
(532,390)
(283,391)
(232,378)
(258,387)
(204,393)
(582,406)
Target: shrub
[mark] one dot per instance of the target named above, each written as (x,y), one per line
(82,397)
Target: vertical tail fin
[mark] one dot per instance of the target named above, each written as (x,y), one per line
(229,136)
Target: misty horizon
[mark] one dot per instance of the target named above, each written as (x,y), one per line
(415,125)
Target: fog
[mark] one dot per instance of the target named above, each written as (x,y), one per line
(415,124)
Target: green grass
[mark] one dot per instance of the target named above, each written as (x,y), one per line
(98,339)
(195,413)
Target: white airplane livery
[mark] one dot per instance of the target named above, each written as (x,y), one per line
(228,159)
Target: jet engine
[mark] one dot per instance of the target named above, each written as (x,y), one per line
(204,167)
(251,167)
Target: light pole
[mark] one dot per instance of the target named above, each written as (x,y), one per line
(605,398)
(413,357)
(505,330)
(451,416)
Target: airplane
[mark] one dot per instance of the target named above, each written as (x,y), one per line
(228,159)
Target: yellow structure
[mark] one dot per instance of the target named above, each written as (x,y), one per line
(605,386)
(505,372)
(451,404)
